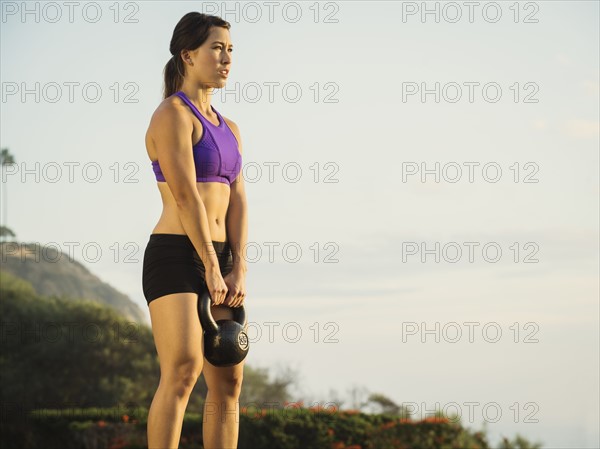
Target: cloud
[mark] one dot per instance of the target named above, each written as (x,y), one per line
(581,129)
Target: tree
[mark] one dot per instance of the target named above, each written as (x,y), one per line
(385,403)
(5,233)
(518,443)
(5,159)
(335,399)
(358,397)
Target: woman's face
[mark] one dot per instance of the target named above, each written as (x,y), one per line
(211,58)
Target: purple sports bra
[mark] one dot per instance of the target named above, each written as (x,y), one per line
(216,155)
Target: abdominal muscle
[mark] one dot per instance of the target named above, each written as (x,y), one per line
(214,195)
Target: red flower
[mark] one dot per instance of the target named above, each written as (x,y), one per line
(316,408)
(436,419)
(388,425)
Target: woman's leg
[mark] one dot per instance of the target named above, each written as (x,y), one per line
(220,427)
(178,338)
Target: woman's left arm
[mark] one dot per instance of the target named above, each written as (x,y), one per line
(236,223)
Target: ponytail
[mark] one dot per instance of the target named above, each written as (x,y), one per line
(173,76)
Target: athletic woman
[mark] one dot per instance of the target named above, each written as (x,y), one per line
(199,240)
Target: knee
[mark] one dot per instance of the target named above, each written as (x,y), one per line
(236,386)
(230,386)
(182,377)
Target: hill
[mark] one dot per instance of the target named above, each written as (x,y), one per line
(52,273)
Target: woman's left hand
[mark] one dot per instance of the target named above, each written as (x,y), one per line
(236,285)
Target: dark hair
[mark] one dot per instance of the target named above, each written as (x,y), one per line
(191,32)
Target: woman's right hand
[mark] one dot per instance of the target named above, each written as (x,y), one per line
(217,289)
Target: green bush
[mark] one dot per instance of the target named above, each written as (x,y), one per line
(262,428)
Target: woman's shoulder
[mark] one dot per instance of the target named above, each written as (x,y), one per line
(169,109)
(173,103)
(171,113)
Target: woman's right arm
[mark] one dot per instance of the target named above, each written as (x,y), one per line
(173,142)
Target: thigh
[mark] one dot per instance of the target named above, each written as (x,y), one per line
(177,332)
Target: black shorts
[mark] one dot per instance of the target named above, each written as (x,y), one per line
(172,265)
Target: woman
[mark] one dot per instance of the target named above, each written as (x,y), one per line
(199,240)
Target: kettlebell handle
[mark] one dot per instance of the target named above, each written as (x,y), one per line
(208,322)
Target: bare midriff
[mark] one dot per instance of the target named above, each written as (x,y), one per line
(214,195)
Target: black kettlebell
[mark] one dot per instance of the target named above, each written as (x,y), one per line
(225,342)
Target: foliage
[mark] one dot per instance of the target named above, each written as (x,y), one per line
(65,354)
(287,428)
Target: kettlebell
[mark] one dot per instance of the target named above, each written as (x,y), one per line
(225,342)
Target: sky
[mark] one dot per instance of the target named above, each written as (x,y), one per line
(422,188)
